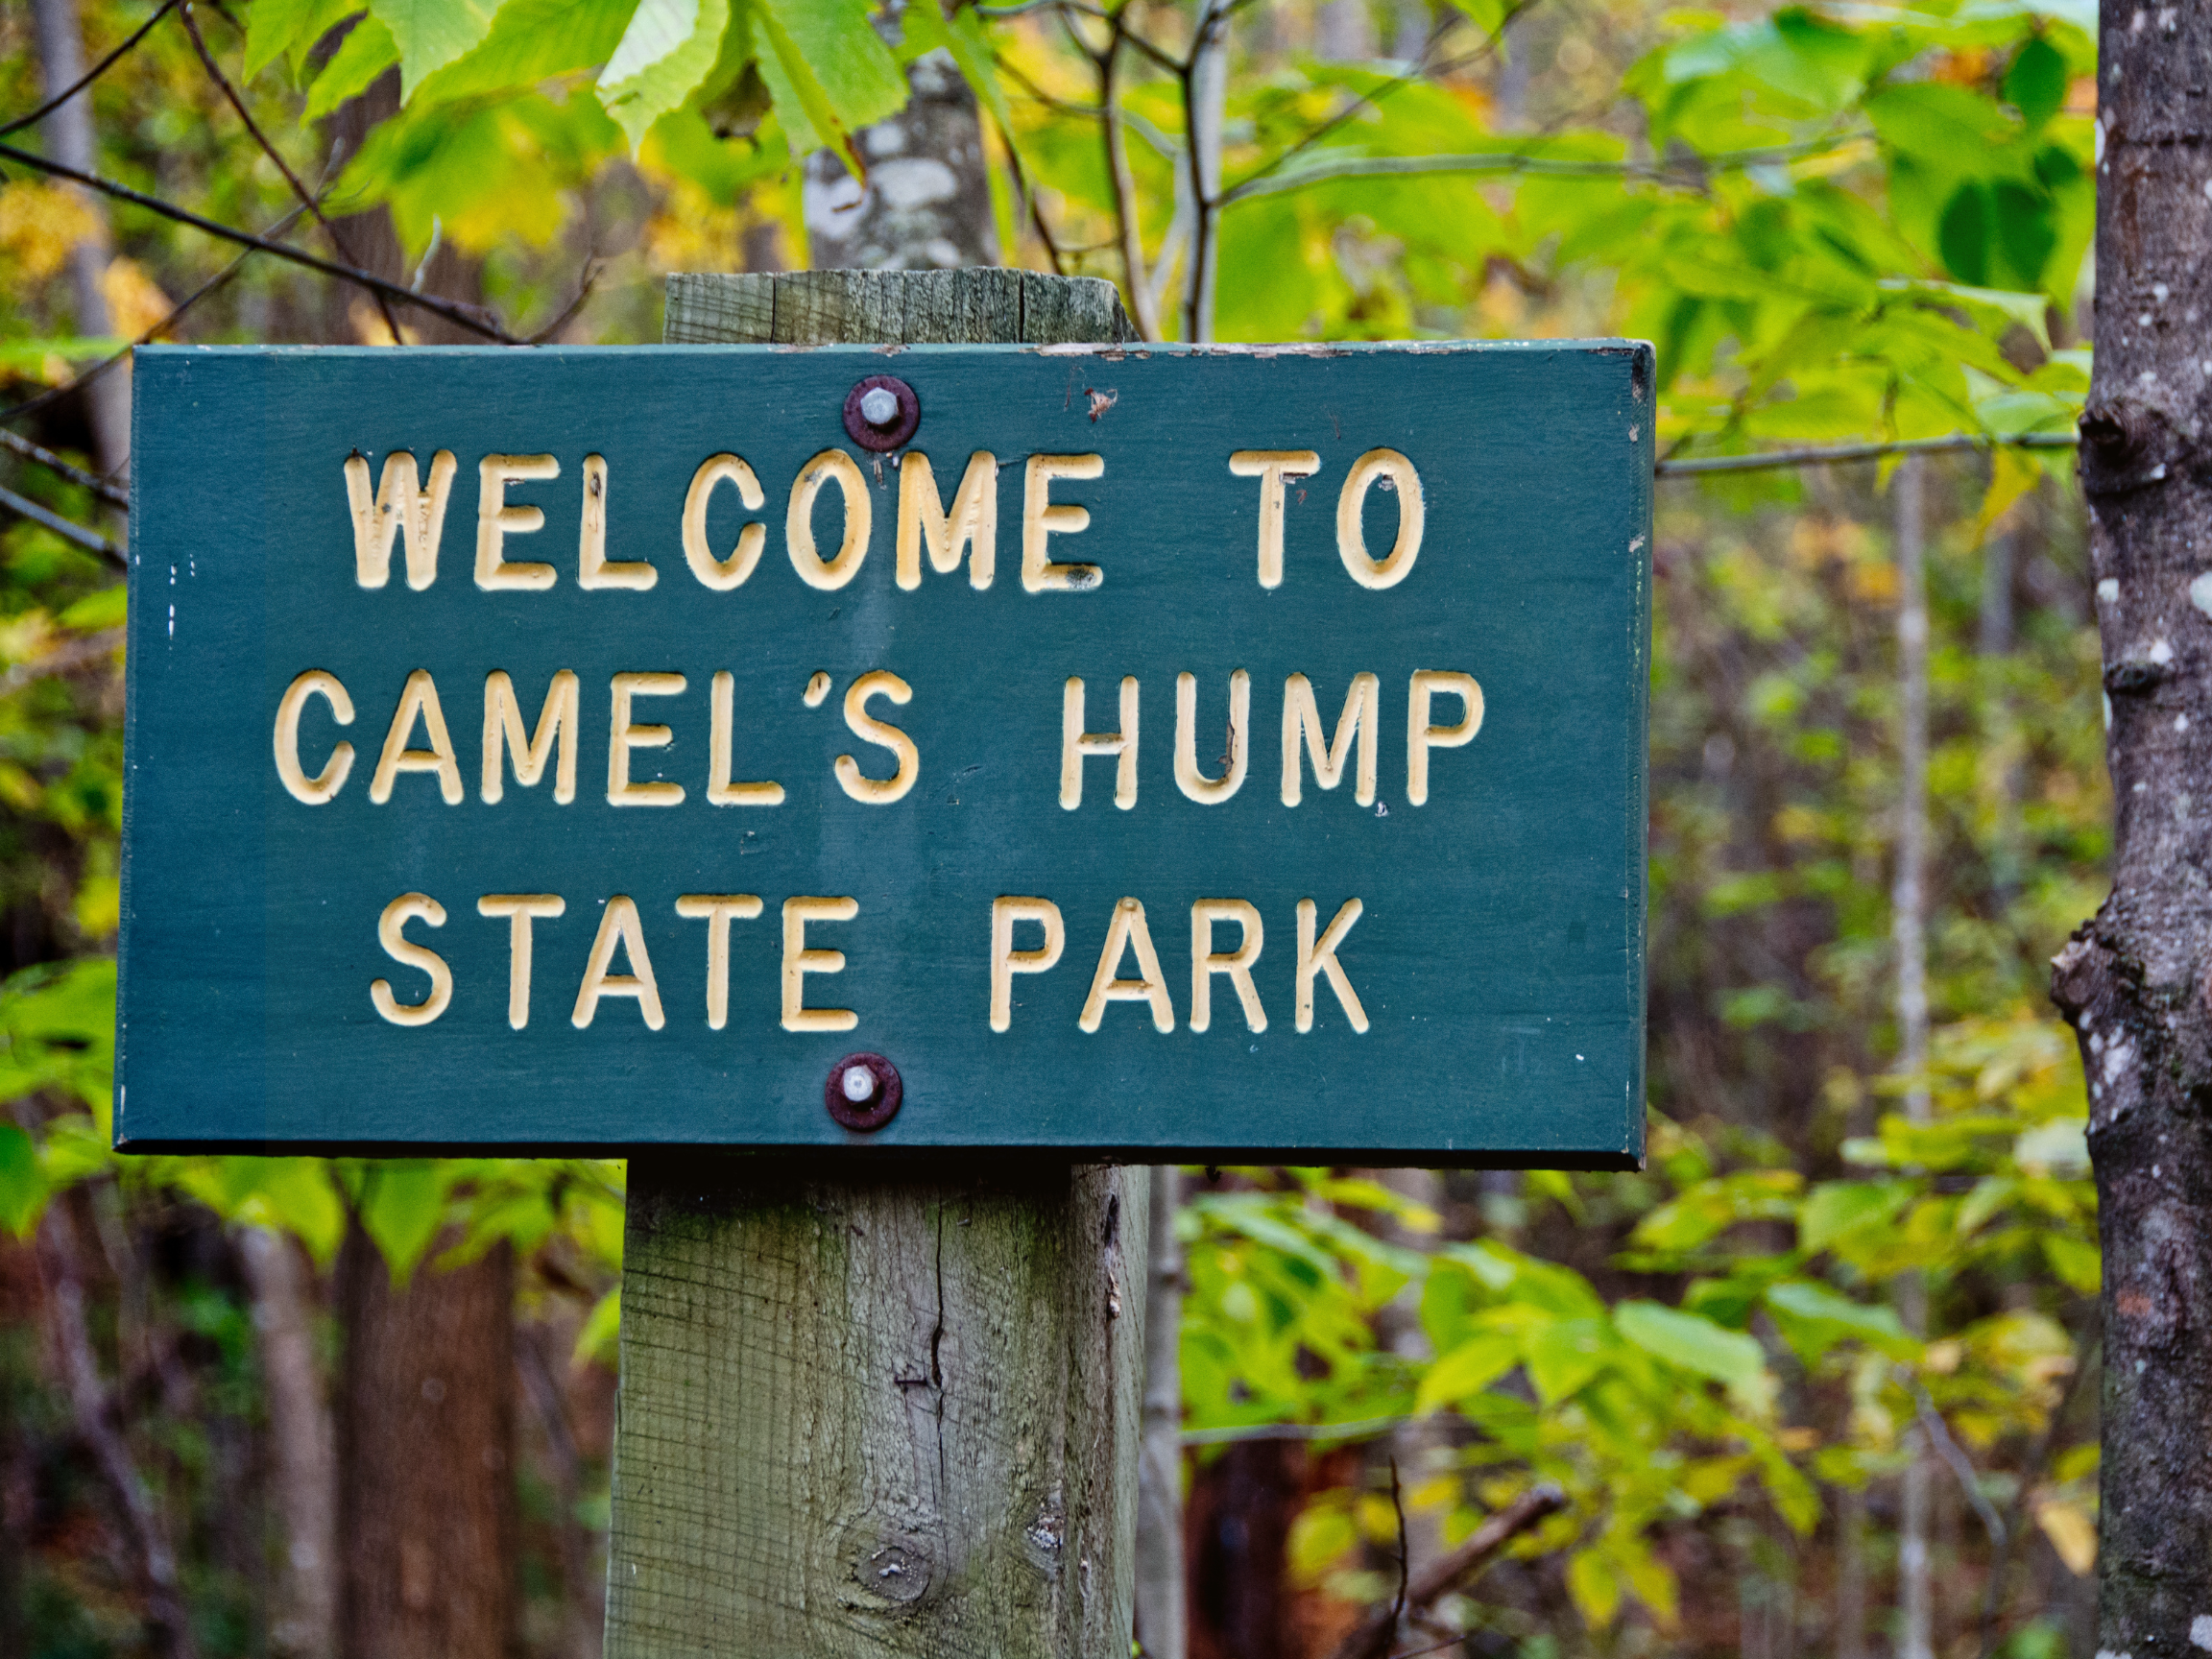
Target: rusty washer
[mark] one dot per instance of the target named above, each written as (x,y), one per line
(863,1092)
(881,412)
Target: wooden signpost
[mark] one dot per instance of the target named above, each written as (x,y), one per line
(946,765)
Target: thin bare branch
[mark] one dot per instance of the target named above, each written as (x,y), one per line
(254,127)
(1834,454)
(1372,1636)
(53,463)
(1128,226)
(76,383)
(1360,1428)
(91,540)
(461,316)
(89,75)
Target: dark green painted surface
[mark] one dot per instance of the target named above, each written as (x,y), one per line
(1500,955)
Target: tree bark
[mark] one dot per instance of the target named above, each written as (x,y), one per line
(302,1444)
(2136,980)
(68,136)
(427,1518)
(925,204)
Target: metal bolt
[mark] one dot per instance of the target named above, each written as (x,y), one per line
(881,412)
(879,406)
(863,1092)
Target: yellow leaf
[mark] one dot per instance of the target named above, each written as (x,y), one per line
(1596,1593)
(134,299)
(2072,1533)
(2012,475)
(39,224)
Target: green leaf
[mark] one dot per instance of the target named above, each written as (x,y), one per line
(1467,1369)
(2027,231)
(1730,1358)
(366,52)
(1962,234)
(22,1188)
(1564,1356)
(290,29)
(655,78)
(1595,1590)
(1838,1208)
(401,1211)
(94,612)
(2035,83)
(598,1340)
(826,69)
(532,40)
(430,34)
(1813,1318)
(2075,1262)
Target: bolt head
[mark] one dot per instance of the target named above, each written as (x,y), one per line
(858,1084)
(879,406)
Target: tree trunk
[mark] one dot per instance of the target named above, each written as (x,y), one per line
(2134,980)
(927,202)
(303,1443)
(68,136)
(1908,905)
(427,1518)
(1160,1614)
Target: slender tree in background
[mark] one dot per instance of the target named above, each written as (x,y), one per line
(68,134)
(1909,909)
(2136,981)
(302,1445)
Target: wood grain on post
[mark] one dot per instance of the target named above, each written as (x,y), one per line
(887,1409)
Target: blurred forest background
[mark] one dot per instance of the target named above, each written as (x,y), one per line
(1821,1379)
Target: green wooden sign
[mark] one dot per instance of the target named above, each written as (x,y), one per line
(1132,751)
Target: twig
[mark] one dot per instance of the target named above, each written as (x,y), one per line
(1361,1429)
(89,75)
(53,463)
(91,540)
(1960,1464)
(461,316)
(1404,1553)
(254,127)
(583,286)
(1371,1638)
(1036,207)
(1833,454)
(76,383)
(64,659)
(1420,70)
(1126,220)
(91,1406)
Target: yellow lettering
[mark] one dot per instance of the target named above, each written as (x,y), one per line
(1007,961)
(495,521)
(519,908)
(1205,963)
(878,791)
(1128,930)
(619,924)
(623,738)
(832,465)
(722,574)
(1274,469)
(1042,518)
(389,933)
(1398,473)
(1211,791)
(1321,959)
(1075,743)
(558,718)
(799,962)
(1421,737)
(721,737)
(417,697)
(400,508)
(315,790)
(1362,716)
(593,569)
(923,522)
(717,910)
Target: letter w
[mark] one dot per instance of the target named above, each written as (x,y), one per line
(401,507)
